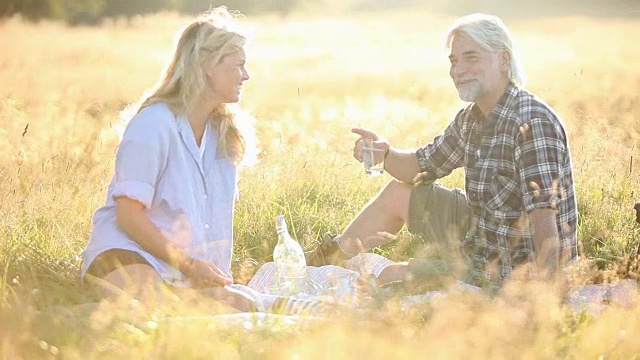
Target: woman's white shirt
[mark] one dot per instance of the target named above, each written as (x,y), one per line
(189,195)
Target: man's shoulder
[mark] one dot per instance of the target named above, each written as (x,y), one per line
(527,105)
(465,113)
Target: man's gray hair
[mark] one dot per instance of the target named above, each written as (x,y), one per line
(492,34)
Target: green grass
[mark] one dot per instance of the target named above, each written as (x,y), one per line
(308,88)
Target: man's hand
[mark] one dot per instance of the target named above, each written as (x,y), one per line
(378,143)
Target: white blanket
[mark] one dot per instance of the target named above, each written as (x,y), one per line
(335,284)
(331,285)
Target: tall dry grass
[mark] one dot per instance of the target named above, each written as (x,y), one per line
(313,78)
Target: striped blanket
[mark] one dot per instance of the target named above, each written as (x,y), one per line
(333,286)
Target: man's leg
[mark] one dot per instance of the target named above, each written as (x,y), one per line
(376,223)
(443,218)
(381,219)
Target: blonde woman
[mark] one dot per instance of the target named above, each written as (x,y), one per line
(169,209)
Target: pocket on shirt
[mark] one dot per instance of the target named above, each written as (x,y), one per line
(504,195)
(222,180)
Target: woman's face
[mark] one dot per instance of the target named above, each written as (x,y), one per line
(225,78)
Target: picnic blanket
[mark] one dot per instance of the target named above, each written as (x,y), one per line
(335,285)
(332,286)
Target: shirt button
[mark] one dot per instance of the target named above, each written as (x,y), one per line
(205,196)
(206,226)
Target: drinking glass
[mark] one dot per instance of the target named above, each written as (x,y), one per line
(372,158)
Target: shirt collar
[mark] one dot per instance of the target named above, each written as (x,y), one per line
(500,109)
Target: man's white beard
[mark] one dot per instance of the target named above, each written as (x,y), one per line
(469,93)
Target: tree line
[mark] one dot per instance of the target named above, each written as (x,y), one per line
(77,12)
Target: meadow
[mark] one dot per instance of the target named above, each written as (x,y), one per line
(313,78)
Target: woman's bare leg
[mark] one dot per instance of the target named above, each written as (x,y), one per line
(139,280)
(144,283)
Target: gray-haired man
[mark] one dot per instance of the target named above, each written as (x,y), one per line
(518,206)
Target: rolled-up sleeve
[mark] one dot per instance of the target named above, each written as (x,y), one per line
(445,153)
(140,159)
(541,152)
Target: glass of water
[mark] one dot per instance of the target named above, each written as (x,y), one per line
(372,158)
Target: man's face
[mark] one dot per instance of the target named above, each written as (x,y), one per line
(476,72)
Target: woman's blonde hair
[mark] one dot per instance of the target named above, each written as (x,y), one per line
(492,34)
(209,38)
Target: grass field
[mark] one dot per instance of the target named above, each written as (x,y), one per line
(312,79)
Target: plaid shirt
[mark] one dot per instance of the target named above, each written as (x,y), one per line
(515,160)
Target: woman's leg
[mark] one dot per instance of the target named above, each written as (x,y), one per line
(119,271)
(138,280)
(224,299)
(116,271)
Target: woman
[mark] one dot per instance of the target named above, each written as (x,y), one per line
(169,210)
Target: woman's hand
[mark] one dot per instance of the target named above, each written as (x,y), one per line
(396,272)
(392,273)
(203,274)
(131,216)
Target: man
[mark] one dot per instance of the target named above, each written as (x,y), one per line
(519,205)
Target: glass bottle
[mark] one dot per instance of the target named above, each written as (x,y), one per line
(289,260)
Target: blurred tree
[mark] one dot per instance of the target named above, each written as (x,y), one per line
(29,9)
(77,12)
(129,9)
(7,8)
(196,6)
(244,6)
(92,11)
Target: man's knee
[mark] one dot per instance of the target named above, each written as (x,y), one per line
(395,195)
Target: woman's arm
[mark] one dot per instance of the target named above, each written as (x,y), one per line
(132,218)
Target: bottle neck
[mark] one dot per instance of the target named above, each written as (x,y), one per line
(281,225)
(283,234)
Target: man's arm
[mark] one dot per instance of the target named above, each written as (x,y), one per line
(402,164)
(546,241)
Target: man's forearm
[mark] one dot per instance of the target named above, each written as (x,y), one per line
(402,164)
(546,241)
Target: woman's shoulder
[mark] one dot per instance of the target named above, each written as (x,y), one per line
(157,113)
(156,118)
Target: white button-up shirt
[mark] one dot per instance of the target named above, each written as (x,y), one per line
(189,196)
